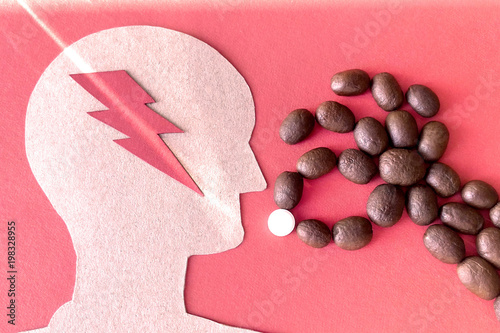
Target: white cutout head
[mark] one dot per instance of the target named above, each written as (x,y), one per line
(117,207)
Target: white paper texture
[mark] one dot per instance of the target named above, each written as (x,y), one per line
(132,226)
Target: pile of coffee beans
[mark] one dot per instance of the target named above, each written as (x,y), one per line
(414,179)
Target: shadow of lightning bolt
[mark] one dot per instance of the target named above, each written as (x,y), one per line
(128,113)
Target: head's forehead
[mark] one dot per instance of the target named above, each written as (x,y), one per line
(192,84)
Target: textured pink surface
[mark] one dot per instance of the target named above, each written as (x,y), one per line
(287,53)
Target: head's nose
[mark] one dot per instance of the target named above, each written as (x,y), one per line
(253,179)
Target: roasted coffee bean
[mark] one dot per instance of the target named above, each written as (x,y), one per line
(288,189)
(423,100)
(444,244)
(314,233)
(443,179)
(402,129)
(370,136)
(356,166)
(297,126)
(316,163)
(495,215)
(480,277)
(433,141)
(352,233)
(335,117)
(385,205)
(488,245)
(401,167)
(422,205)
(462,218)
(350,83)
(387,92)
(479,194)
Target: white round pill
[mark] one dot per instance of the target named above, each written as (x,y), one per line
(281,222)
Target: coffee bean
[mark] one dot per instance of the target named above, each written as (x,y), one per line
(350,83)
(297,126)
(462,218)
(314,233)
(370,136)
(488,245)
(423,100)
(402,129)
(387,92)
(480,277)
(444,244)
(352,233)
(401,167)
(385,205)
(479,194)
(422,205)
(335,117)
(433,141)
(316,163)
(495,215)
(288,189)
(443,179)
(356,166)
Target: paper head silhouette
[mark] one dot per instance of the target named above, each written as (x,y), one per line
(127,218)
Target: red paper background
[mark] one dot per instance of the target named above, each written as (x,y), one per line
(287,53)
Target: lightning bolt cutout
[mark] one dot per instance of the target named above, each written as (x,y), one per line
(128,113)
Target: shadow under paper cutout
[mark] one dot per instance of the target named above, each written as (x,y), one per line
(132,226)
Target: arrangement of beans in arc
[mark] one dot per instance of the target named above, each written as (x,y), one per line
(408,163)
